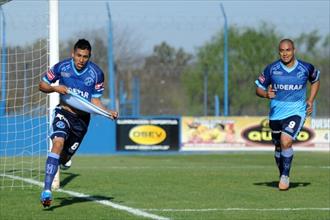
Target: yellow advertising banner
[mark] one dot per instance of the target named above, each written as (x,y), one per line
(216,133)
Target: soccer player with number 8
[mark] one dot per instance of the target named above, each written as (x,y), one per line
(77,76)
(285,83)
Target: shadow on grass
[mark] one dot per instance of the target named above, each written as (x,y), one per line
(68,178)
(65,201)
(274,184)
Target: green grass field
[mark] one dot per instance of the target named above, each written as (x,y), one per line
(186,187)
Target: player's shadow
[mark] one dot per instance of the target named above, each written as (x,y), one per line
(65,201)
(68,177)
(274,184)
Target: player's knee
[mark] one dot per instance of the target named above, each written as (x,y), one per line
(57,145)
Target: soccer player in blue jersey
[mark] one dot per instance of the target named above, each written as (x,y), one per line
(83,77)
(285,83)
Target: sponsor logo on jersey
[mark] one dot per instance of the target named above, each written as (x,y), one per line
(262,134)
(147,134)
(287,87)
(65,74)
(79,92)
(66,67)
(88,81)
(50,75)
(277,72)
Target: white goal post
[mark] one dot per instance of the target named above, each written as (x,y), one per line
(25,112)
(53,59)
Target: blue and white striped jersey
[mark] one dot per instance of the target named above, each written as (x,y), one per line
(290,85)
(87,83)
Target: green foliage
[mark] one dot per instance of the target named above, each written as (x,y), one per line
(160,81)
(172,81)
(250,50)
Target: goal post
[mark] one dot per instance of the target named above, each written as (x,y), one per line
(25,112)
(53,59)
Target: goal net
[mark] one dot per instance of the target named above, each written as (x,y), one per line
(23,108)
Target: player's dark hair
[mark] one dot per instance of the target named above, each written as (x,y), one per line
(83,45)
(288,41)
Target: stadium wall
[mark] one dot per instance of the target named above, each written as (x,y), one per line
(190,134)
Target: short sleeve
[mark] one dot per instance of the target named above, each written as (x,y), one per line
(313,74)
(99,85)
(263,80)
(52,75)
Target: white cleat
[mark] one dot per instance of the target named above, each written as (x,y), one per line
(284,183)
(66,166)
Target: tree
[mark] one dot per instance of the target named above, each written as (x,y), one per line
(160,81)
(249,50)
(312,48)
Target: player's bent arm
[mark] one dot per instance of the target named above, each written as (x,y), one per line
(47,88)
(314,90)
(268,94)
(261,93)
(98,103)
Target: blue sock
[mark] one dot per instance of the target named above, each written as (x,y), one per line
(278,160)
(51,169)
(286,156)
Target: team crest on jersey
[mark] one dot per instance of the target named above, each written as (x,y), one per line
(65,74)
(60,124)
(301,75)
(50,74)
(89,81)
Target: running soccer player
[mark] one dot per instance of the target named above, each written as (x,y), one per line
(285,83)
(81,76)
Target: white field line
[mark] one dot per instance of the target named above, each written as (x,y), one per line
(137,212)
(193,167)
(239,209)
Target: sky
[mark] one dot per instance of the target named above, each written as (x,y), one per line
(186,24)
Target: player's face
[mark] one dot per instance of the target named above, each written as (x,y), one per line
(286,52)
(80,58)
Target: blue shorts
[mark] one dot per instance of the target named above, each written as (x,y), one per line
(290,126)
(71,127)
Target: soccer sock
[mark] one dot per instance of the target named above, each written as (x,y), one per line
(278,159)
(286,156)
(51,169)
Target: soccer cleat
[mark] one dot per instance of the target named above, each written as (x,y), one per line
(46,198)
(66,166)
(284,183)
